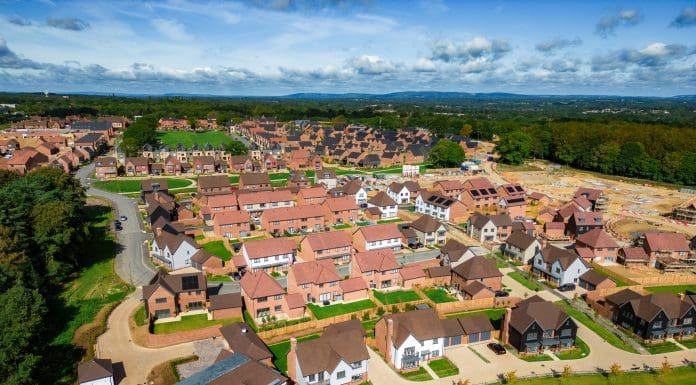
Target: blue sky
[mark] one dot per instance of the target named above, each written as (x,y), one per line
(277,47)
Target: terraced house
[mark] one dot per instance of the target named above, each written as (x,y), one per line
(332,245)
(293,220)
(316,281)
(440,206)
(378,268)
(658,316)
(274,254)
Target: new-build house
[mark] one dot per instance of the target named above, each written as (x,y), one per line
(489,228)
(658,316)
(258,201)
(408,339)
(254,181)
(274,254)
(598,245)
(232,224)
(521,246)
(477,271)
(449,188)
(386,205)
(378,268)
(454,253)
(355,189)
(559,266)
(293,220)
(332,245)
(341,210)
(96,371)
(479,193)
(214,184)
(106,167)
(242,339)
(665,246)
(316,281)
(384,236)
(326,177)
(405,192)
(264,297)
(440,206)
(174,250)
(429,231)
(168,294)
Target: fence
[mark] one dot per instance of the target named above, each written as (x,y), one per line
(309,327)
(667,279)
(475,304)
(162,340)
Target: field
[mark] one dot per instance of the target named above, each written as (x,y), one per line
(133,185)
(678,376)
(322,312)
(172,138)
(398,296)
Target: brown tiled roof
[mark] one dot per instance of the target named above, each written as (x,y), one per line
(260,248)
(537,196)
(328,240)
(242,339)
(535,309)
(213,181)
(255,197)
(294,213)
(250,373)
(479,183)
(315,272)
(230,217)
(239,159)
(202,256)
(412,272)
(294,301)
(475,287)
(380,232)
(325,174)
(451,327)
(649,306)
(105,161)
(666,241)
(590,218)
(477,267)
(312,192)
(254,178)
(94,369)
(225,301)
(565,257)
(411,186)
(597,238)
(439,271)
(592,194)
(204,160)
(426,224)
(381,200)
(374,211)
(621,297)
(475,324)
(593,277)
(221,200)
(326,352)
(352,187)
(520,240)
(582,203)
(448,185)
(173,283)
(635,253)
(259,284)
(376,260)
(554,226)
(138,161)
(422,324)
(353,284)
(172,241)
(343,203)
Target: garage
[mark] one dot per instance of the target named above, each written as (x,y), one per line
(456,340)
(474,337)
(453,332)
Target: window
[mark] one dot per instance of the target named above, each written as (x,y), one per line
(435,353)
(687,321)
(277,297)
(531,336)
(410,351)
(356,365)
(341,374)
(278,308)
(305,286)
(566,332)
(657,325)
(548,333)
(434,340)
(262,299)
(312,377)
(160,300)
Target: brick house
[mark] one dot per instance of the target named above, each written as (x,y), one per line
(172,165)
(265,298)
(602,248)
(225,306)
(340,210)
(316,281)
(378,268)
(241,163)
(429,231)
(665,245)
(514,206)
(292,220)
(311,196)
(256,202)
(231,224)
(214,184)
(449,188)
(478,269)
(169,294)
(384,236)
(106,167)
(479,193)
(274,254)
(137,166)
(254,181)
(581,222)
(332,245)
(203,164)
(592,280)
(440,206)
(25,160)
(212,204)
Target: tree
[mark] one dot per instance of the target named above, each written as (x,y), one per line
(567,371)
(615,369)
(466,130)
(236,147)
(446,153)
(665,367)
(514,147)
(510,377)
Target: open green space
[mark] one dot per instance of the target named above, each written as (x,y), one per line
(438,295)
(677,289)
(191,322)
(280,352)
(218,248)
(322,312)
(661,347)
(605,334)
(691,344)
(581,350)
(526,282)
(398,296)
(443,367)
(417,375)
(172,138)
(678,376)
(390,220)
(133,185)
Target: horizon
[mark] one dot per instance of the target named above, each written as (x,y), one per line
(273,48)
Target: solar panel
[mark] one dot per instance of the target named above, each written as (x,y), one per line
(448,202)
(189,283)
(474,193)
(491,190)
(519,188)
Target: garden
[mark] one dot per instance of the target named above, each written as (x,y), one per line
(397,296)
(322,312)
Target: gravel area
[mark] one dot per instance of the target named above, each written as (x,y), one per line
(206,350)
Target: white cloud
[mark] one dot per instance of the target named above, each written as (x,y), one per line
(370,65)
(473,49)
(170,28)
(424,65)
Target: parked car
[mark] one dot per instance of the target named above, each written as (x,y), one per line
(502,293)
(124,218)
(118,227)
(497,348)
(567,287)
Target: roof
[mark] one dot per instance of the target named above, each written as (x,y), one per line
(105,161)
(176,282)
(253,178)
(478,183)
(376,260)
(411,186)
(426,224)
(213,181)
(597,238)
(353,284)
(312,192)
(448,185)
(352,187)
(256,197)
(565,257)
(588,193)
(593,277)
(635,253)
(292,213)
(649,306)
(580,217)
(325,174)
(315,272)
(235,369)
(554,226)
(537,196)
(225,301)
(512,188)
(412,272)
(152,184)
(343,203)
(475,323)
(201,256)
(221,200)
(439,271)
(666,241)
(382,199)
(535,309)
(173,241)
(294,301)
(328,240)
(380,232)
(421,324)
(242,339)
(138,161)
(476,268)
(94,369)
(436,199)
(475,287)
(621,297)
(260,248)
(339,343)
(520,239)
(259,284)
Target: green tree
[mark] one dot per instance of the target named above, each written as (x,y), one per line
(236,147)
(514,147)
(446,153)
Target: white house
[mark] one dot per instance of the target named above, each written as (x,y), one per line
(411,338)
(355,189)
(439,206)
(386,205)
(403,192)
(174,250)
(274,254)
(384,236)
(559,265)
(482,228)
(326,177)
(95,372)
(338,357)
(521,246)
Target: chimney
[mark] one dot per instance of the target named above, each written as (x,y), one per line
(388,338)
(505,326)
(293,344)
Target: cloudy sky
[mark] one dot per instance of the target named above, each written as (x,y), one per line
(277,47)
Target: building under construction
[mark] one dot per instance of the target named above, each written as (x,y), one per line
(686,212)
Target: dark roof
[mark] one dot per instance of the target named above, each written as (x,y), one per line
(649,306)
(593,277)
(621,297)
(254,178)
(339,343)
(235,369)
(225,301)
(520,240)
(91,126)
(242,339)
(426,224)
(213,181)
(90,138)
(436,199)
(175,283)
(535,309)
(565,257)
(381,200)
(147,185)
(439,271)
(475,324)
(477,267)
(422,324)
(94,369)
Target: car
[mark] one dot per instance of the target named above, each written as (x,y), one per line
(567,287)
(123,218)
(497,348)
(117,223)
(502,293)
(118,227)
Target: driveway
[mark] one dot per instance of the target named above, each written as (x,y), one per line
(132,263)
(519,290)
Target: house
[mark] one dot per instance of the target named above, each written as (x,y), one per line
(235,369)
(316,281)
(412,276)
(264,298)
(254,181)
(387,206)
(467,330)
(633,256)
(384,236)
(338,357)
(489,228)
(526,227)
(137,166)
(203,164)
(559,266)
(340,210)
(546,215)
(168,294)
(581,222)
(172,165)
(105,167)
(205,261)
(225,306)
(665,245)
(242,339)
(269,254)
(327,177)
(298,179)
(256,202)
(241,164)
(479,193)
(332,245)
(311,196)
(97,371)
(478,269)
(231,224)
(355,189)
(594,196)
(25,160)
(378,268)
(449,188)
(454,253)
(213,204)
(602,248)
(535,325)
(408,339)
(150,186)
(173,250)
(214,184)
(521,246)
(538,199)
(439,275)
(515,206)
(658,316)
(554,231)
(511,190)
(405,192)
(592,280)
(440,206)
(429,231)
(293,220)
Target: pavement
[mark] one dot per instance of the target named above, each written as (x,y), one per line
(132,263)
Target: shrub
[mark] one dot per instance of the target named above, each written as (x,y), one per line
(665,367)
(567,372)
(410,306)
(616,369)
(380,311)
(510,377)
(394,309)
(366,316)
(353,316)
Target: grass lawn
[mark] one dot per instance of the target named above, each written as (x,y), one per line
(438,295)
(662,347)
(581,350)
(279,176)
(528,283)
(678,376)
(535,358)
(678,289)
(390,220)
(499,262)
(443,367)
(363,223)
(133,185)
(396,296)
(234,179)
(219,278)
(280,352)
(342,226)
(369,327)
(495,315)
(172,138)
(605,334)
(191,322)
(691,344)
(279,183)
(322,312)
(416,375)
(140,317)
(218,248)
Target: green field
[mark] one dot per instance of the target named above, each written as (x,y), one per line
(280,352)
(678,376)
(172,138)
(191,322)
(528,283)
(443,367)
(398,296)
(678,289)
(133,185)
(218,248)
(322,312)
(605,334)
(438,295)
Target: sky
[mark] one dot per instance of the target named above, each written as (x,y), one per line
(279,47)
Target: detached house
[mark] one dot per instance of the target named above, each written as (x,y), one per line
(658,316)
(174,250)
(408,339)
(265,298)
(386,205)
(355,189)
(384,236)
(274,254)
(254,181)
(558,265)
(404,192)
(582,222)
(326,177)
(521,246)
(378,268)
(105,167)
(454,253)
(214,184)
(203,164)
(440,206)
(168,294)
(316,281)
(477,271)
(429,231)
(489,228)
(137,166)
(338,357)
(292,220)
(332,245)
(598,245)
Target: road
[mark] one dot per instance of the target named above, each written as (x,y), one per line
(132,264)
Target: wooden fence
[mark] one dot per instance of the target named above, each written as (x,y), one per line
(475,304)
(667,280)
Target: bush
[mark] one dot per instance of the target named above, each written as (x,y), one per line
(510,377)
(410,306)
(366,316)
(394,309)
(380,311)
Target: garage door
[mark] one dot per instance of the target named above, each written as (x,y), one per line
(457,340)
(474,337)
(485,336)
(447,342)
